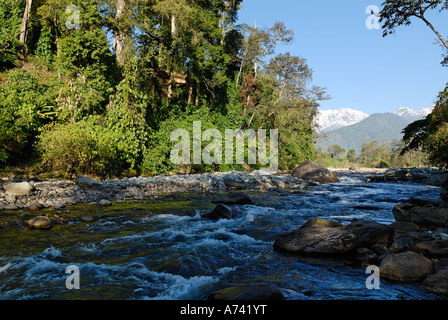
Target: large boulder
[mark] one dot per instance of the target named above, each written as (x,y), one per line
(406,267)
(19,189)
(309,170)
(333,239)
(427,216)
(248,292)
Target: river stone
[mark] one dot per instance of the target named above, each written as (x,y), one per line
(19,189)
(406,267)
(41,222)
(86,182)
(433,249)
(334,240)
(232,198)
(86,218)
(319,222)
(248,292)
(437,283)
(428,216)
(309,170)
(405,227)
(105,202)
(11,206)
(220,212)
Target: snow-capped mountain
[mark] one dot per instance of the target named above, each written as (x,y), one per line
(328,120)
(412,115)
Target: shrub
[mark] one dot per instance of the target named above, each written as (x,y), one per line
(83,147)
(23,108)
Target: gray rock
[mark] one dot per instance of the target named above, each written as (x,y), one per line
(19,189)
(433,249)
(309,170)
(405,227)
(334,240)
(428,216)
(406,266)
(437,283)
(220,212)
(104,202)
(87,182)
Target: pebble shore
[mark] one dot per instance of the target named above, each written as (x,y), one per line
(58,194)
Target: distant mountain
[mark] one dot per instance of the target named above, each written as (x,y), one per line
(328,120)
(378,126)
(412,115)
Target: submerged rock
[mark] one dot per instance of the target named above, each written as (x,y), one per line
(233,198)
(248,292)
(309,170)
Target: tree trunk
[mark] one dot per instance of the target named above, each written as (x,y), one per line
(119,35)
(445,44)
(173,32)
(25,22)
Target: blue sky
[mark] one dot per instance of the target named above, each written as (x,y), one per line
(360,69)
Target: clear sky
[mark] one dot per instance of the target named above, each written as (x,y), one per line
(360,69)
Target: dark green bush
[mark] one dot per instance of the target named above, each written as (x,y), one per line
(83,147)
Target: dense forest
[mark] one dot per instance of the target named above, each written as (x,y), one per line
(97,87)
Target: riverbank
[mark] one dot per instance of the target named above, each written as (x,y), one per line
(35,194)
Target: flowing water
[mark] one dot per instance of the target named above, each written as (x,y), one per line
(163,249)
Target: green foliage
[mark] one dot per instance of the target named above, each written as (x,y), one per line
(24,107)
(85,147)
(10,21)
(105,106)
(437,131)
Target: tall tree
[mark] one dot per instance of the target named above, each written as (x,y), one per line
(25,21)
(400,12)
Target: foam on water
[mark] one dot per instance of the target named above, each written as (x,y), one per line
(166,256)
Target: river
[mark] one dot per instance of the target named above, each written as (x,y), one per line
(164,250)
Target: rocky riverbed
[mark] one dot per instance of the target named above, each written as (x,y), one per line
(412,249)
(35,194)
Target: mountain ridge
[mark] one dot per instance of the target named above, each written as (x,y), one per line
(378,126)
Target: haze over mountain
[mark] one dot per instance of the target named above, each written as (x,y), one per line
(362,127)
